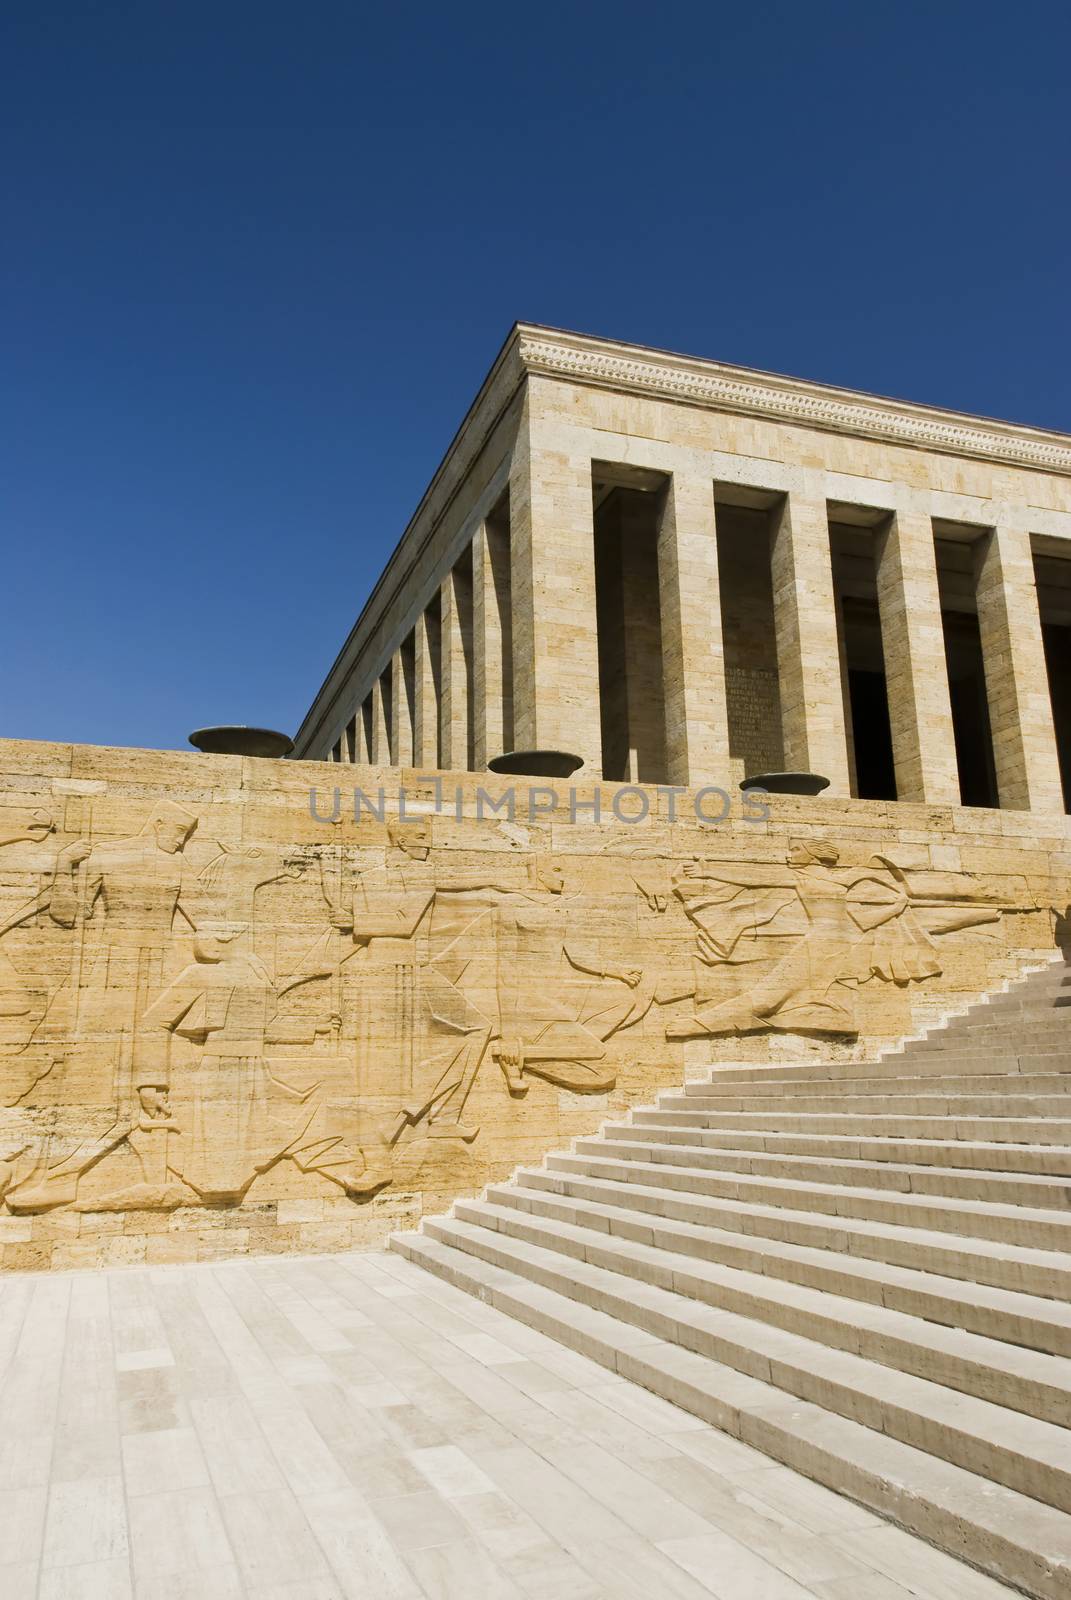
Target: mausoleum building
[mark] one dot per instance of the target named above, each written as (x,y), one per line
(689,573)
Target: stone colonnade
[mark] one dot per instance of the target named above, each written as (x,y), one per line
(504,652)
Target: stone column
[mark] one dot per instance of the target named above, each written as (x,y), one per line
(380,751)
(455,599)
(363,722)
(916,672)
(1016,679)
(552,580)
(492,686)
(693,659)
(426,689)
(805,625)
(400,716)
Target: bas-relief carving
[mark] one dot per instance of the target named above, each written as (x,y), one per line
(209,1043)
(843,928)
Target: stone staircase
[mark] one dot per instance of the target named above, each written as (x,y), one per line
(862,1269)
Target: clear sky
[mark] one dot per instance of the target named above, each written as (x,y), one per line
(257,257)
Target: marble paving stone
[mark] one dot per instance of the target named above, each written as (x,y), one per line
(86,1522)
(416,1520)
(95,1580)
(22,1521)
(731,1571)
(168,1459)
(363,1559)
(176,1532)
(222,1583)
(271,1538)
(460,1570)
(252,1468)
(451,1472)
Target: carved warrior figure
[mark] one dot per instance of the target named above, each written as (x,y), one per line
(497,977)
(23,999)
(247,1112)
(239,1113)
(858,924)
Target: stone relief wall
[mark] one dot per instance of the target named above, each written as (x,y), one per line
(226,1025)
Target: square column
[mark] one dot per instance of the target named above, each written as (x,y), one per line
(492,675)
(426,689)
(1016,678)
(552,581)
(379,752)
(400,716)
(693,657)
(363,747)
(916,672)
(455,616)
(808,655)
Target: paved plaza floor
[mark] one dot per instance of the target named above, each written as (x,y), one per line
(319,1427)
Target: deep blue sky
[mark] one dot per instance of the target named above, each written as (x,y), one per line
(256,259)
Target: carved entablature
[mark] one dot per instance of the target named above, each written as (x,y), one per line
(748,393)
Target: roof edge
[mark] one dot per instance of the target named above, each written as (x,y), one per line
(696,380)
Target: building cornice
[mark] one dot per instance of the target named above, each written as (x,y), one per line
(634,369)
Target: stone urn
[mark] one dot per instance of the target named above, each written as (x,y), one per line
(536,763)
(786,782)
(237,740)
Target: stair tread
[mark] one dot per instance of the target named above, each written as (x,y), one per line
(1039,1180)
(891,1142)
(897,1479)
(906,1116)
(1013,1302)
(1012,1083)
(1048,1375)
(1019,1108)
(767,1347)
(855,1196)
(850,1227)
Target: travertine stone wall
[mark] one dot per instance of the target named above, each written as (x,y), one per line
(230,1023)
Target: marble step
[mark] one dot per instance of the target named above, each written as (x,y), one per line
(902,1125)
(989,1262)
(997,1103)
(1014,1537)
(1033,1382)
(1018,1318)
(1051,1160)
(894,1065)
(1050,1029)
(904,1084)
(1020,1452)
(1023,1045)
(1051,1191)
(1021,1225)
